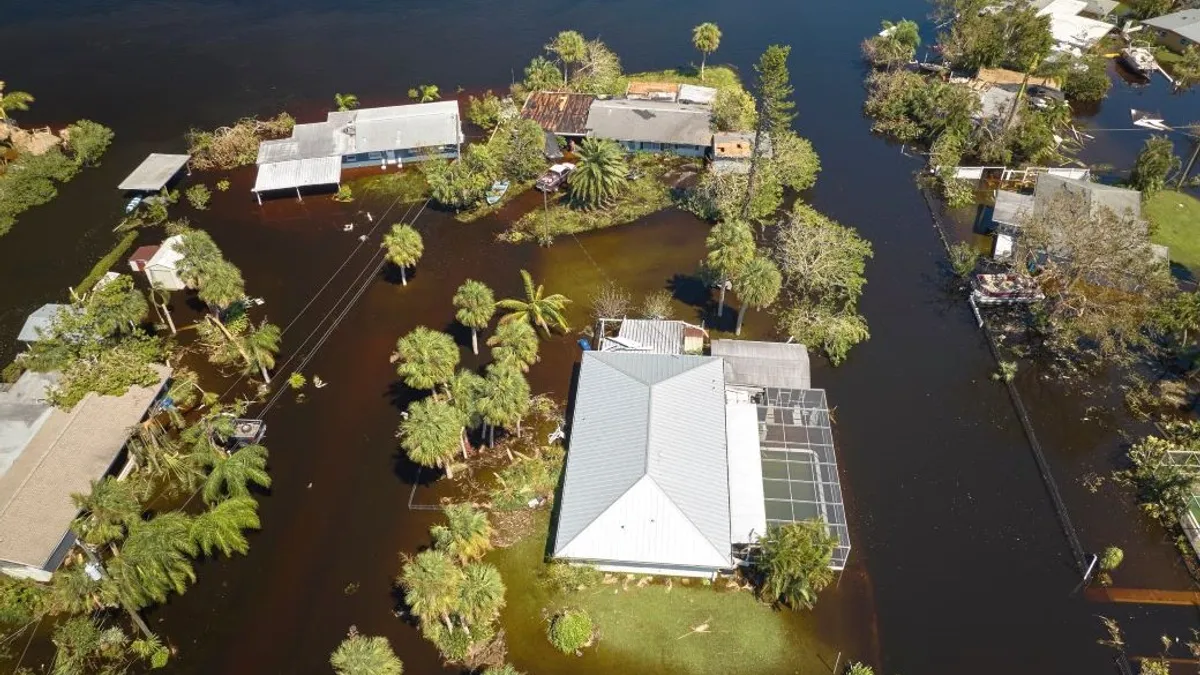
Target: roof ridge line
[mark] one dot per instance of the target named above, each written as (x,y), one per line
(685,514)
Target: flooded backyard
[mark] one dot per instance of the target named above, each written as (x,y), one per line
(959,562)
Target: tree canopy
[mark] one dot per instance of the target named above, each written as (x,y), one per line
(537,309)
(794,562)
(404,247)
(706,38)
(425,358)
(365,655)
(599,174)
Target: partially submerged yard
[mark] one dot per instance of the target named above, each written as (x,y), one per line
(1175,219)
(646,625)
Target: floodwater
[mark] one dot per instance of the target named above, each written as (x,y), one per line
(959,562)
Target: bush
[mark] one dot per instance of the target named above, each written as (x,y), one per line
(30,181)
(87,141)
(565,578)
(1111,558)
(1006,373)
(525,479)
(21,600)
(571,631)
(231,147)
(733,110)
(484,112)
(198,196)
(963,259)
(1087,79)
(344,194)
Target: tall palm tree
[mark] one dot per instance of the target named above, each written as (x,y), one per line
(432,583)
(230,475)
(757,286)
(345,102)
(505,399)
(365,655)
(706,38)
(730,246)
(107,511)
(222,286)
(431,434)
(476,304)
(537,308)
(466,536)
(154,560)
(404,247)
(570,47)
(425,358)
(260,345)
(13,100)
(220,528)
(515,343)
(481,596)
(465,389)
(599,174)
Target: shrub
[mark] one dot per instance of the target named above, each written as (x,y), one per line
(571,631)
(484,112)
(87,141)
(198,196)
(1111,558)
(563,578)
(1087,79)
(223,185)
(1006,373)
(231,147)
(963,259)
(297,381)
(344,194)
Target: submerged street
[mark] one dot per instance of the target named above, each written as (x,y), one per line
(958,560)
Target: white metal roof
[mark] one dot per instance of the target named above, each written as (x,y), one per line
(764,364)
(691,93)
(298,173)
(398,127)
(154,172)
(747,510)
(646,478)
(647,335)
(168,255)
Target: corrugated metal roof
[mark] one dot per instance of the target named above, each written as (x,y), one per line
(648,429)
(558,111)
(39,320)
(650,122)
(764,364)
(747,510)
(154,172)
(398,127)
(657,336)
(298,173)
(1186,23)
(1011,207)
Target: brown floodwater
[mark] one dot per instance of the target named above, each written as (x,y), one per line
(958,564)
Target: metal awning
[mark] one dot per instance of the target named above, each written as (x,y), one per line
(297,173)
(154,172)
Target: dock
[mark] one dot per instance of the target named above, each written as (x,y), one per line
(1143,596)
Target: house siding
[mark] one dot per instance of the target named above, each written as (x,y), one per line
(1172,40)
(672,148)
(399,156)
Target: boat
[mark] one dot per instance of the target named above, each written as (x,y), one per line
(133,204)
(1002,289)
(497,191)
(1140,60)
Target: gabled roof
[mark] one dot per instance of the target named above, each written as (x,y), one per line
(168,255)
(1184,22)
(650,122)
(560,112)
(646,478)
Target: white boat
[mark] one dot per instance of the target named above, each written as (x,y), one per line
(1001,289)
(133,204)
(1140,60)
(497,191)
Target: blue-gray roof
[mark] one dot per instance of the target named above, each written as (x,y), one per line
(1185,23)
(648,416)
(38,322)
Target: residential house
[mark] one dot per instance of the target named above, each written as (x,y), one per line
(732,151)
(653,126)
(561,113)
(678,463)
(162,268)
(1073,32)
(1177,31)
(316,153)
(46,455)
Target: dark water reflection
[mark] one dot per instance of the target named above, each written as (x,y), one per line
(958,563)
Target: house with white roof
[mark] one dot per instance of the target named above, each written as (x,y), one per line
(162,268)
(677,464)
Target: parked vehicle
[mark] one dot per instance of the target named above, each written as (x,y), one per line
(555,177)
(1001,289)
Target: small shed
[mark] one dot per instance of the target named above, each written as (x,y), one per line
(154,173)
(162,269)
(38,322)
(142,256)
(691,93)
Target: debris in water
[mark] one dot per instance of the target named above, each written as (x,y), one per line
(309,485)
(348,227)
(318,382)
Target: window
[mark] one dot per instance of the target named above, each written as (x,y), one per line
(374,155)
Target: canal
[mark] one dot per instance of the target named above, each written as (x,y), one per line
(959,562)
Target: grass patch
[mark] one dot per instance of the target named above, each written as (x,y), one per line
(1175,217)
(719,77)
(407,185)
(647,628)
(514,190)
(648,193)
(106,263)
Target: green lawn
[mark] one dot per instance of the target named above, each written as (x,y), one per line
(407,184)
(648,630)
(1176,220)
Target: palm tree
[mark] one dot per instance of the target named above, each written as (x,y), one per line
(231,475)
(112,506)
(154,560)
(345,102)
(706,38)
(424,93)
(13,100)
(794,562)
(536,309)
(404,247)
(260,345)
(116,307)
(730,246)
(570,47)
(432,433)
(365,655)
(425,358)
(505,399)
(515,343)
(160,297)
(599,174)
(432,584)
(481,596)
(476,304)
(466,388)
(468,534)
(221,527)
(757,286)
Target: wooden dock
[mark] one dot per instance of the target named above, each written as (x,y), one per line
(1144,596)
